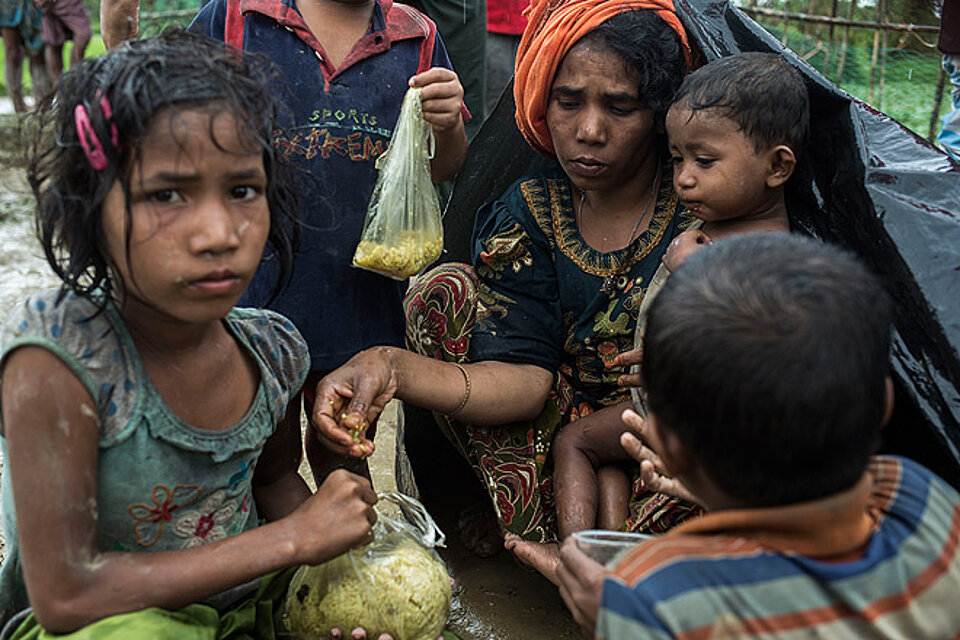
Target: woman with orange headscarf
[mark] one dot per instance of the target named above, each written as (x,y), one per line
(526,340)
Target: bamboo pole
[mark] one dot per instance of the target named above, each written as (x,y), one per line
(785,23)
(843,47)
(883,54)
(830,46)
(876,53)
(811,11)
(842,22)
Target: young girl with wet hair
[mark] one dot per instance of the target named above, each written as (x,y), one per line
(140,408)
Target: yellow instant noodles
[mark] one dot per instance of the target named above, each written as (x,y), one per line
(396,584)
(403,591)
(403,230)
(400,259)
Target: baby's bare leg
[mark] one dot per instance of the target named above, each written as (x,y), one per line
(579,450)
(614,495)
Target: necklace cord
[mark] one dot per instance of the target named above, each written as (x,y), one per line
(643,212)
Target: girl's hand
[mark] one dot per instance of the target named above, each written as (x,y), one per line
(337,518)
(682,246)
(441,95)
(626,360)
(655,475)
(350,398)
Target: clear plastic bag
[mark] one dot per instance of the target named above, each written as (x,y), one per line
(396,584)
(403,231)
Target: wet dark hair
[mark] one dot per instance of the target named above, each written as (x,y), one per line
(652,48)
(767,355)
(761,92)
(176,70)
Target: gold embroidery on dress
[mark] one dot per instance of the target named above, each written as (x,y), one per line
(509,248)
(587,370)
(687,219)
(633,295)
(489,302)
(539,206)
(605,325)
(563,226)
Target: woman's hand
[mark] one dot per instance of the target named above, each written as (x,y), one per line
(626,360)
(682,246)
(655,475)
(581,585)
(338,517)
(350,398)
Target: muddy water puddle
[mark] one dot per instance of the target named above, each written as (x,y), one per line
(495,598)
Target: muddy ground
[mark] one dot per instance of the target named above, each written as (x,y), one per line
(496,599)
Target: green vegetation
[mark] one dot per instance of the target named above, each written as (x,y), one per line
(909,74)
(908,62)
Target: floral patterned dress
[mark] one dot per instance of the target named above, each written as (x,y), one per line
(162,484)
(539,294)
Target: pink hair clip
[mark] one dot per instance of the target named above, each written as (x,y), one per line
(108,115)
(92,147)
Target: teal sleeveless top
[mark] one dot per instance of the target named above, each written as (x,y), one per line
(161,483)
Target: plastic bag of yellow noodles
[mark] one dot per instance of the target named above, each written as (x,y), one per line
(403,232)
(396,584)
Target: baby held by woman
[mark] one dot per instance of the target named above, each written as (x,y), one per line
(736,128)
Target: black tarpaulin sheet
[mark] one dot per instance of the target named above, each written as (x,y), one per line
(865,182)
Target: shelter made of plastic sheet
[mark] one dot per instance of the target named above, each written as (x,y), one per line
(864,182)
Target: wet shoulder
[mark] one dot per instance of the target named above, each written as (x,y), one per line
(91,342)
(73,328)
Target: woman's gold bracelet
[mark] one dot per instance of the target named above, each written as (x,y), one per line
(466,393)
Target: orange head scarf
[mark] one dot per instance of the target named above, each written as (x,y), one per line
(553,27)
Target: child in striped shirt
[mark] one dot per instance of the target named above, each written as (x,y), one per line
(766,361)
